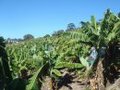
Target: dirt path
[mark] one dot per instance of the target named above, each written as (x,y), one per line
(73,86)
(66,83)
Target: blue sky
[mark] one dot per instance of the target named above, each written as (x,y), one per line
(40,17)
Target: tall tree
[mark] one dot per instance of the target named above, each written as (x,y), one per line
(57,33)
(70,26)
(28,37)
(47,35)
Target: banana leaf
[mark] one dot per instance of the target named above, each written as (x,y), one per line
(32,85)
(68,65)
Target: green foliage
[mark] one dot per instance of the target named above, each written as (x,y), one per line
(32,83)
(84,62)
(63,50)
(68,65)
(56,72)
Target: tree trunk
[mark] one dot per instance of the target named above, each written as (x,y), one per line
(97,83)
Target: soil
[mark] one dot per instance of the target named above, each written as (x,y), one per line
(70,81)
(67,82)
(73,86)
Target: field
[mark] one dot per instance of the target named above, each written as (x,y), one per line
(58,61)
